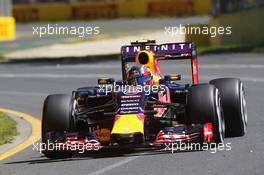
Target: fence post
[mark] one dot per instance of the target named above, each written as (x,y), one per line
(7,21)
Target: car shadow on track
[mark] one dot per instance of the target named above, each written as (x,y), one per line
(101,154)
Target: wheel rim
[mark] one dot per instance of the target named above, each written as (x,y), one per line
(243,107)
(221,124)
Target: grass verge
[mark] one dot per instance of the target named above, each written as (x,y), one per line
(1,56)
(7,128)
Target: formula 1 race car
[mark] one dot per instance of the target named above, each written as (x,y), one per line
(145,107)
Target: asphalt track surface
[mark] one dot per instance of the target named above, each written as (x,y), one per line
(23,88)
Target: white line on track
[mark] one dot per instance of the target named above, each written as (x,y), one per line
(17,75)
(252,79)
(110,167)
(105,66)
(16,93)
(80,66)
(229,66)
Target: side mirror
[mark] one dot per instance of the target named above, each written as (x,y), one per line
(106,81)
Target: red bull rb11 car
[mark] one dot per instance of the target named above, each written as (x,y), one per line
(146,107)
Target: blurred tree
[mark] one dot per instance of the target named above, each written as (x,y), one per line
(228,6)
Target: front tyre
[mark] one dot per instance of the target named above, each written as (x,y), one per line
(56,116)
(234,105)
(203,106)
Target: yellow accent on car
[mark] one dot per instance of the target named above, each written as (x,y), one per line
(156,80)
(128,124)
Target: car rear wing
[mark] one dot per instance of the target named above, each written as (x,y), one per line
(183,50)
(169,51)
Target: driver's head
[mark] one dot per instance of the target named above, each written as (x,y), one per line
(140,75)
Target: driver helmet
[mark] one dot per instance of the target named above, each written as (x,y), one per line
(140,75)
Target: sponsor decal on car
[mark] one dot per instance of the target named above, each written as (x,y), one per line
(103,134)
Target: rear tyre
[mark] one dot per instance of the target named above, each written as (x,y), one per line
(56,116)
(234,105)
(203,106)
